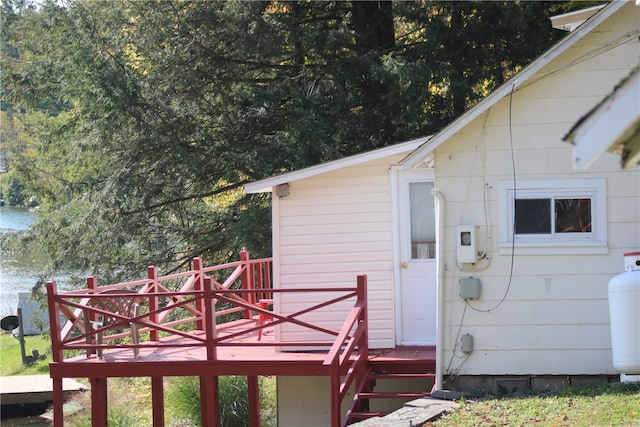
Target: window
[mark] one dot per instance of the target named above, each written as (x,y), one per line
(553,216)
(423,220)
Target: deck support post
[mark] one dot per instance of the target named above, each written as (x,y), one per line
(58,402)
(254,400)
(98,402)
(157,401)
(209,401)
(334,385)
(56,352)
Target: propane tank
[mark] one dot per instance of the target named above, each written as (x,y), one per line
(624,316)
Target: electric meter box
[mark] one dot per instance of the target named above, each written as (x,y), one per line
(466,244)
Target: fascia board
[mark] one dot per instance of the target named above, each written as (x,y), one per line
(572,20)
(607,124)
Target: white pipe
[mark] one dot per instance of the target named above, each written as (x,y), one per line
(440,286)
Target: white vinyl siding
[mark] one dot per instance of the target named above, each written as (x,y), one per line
(554,314)
(331,228)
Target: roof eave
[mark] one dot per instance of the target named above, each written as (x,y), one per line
(613,125)
(266,185)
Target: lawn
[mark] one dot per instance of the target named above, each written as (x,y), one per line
(11,358)
(604,405)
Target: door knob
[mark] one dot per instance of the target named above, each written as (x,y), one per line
(405,264)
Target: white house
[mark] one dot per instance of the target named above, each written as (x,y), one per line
(482,240)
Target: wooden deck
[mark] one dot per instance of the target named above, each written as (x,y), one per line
(243,356)
(170,326)
(248,357)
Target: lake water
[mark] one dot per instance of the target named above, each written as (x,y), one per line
(19,270)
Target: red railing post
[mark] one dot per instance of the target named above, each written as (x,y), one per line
(92,285)
(152,274)
(54,321)
(210,319)
(361,293)
(198,287)
(363,346)
(247,280)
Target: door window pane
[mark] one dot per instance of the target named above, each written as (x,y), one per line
(423,220)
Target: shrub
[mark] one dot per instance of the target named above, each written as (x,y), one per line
(183,397)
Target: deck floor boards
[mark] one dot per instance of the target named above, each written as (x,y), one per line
(247,356)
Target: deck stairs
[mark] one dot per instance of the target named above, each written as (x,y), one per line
(389,385)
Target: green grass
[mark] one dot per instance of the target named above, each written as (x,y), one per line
(605,405)
(11,358)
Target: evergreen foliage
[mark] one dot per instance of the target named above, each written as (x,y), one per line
(143,119)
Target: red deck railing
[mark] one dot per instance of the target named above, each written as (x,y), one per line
(176,306)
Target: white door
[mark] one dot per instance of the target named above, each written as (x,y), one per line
(418,290)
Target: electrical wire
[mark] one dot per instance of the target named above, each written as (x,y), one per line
(513,230)
(455,346)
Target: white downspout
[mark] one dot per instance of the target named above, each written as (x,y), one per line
(440,286)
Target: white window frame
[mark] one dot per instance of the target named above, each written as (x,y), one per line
(594,242)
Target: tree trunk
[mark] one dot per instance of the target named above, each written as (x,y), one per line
(373,25)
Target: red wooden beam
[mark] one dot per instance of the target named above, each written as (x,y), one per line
(209,319)
(247,280)
(209,401)
(199,286)
(91,316)
(152,275)
(137,368)
(98,401)
(157,401)
(58,402)
(54,321)
(253,390)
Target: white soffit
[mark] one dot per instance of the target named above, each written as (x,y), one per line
(613,125)
(572,20)
(266,185)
